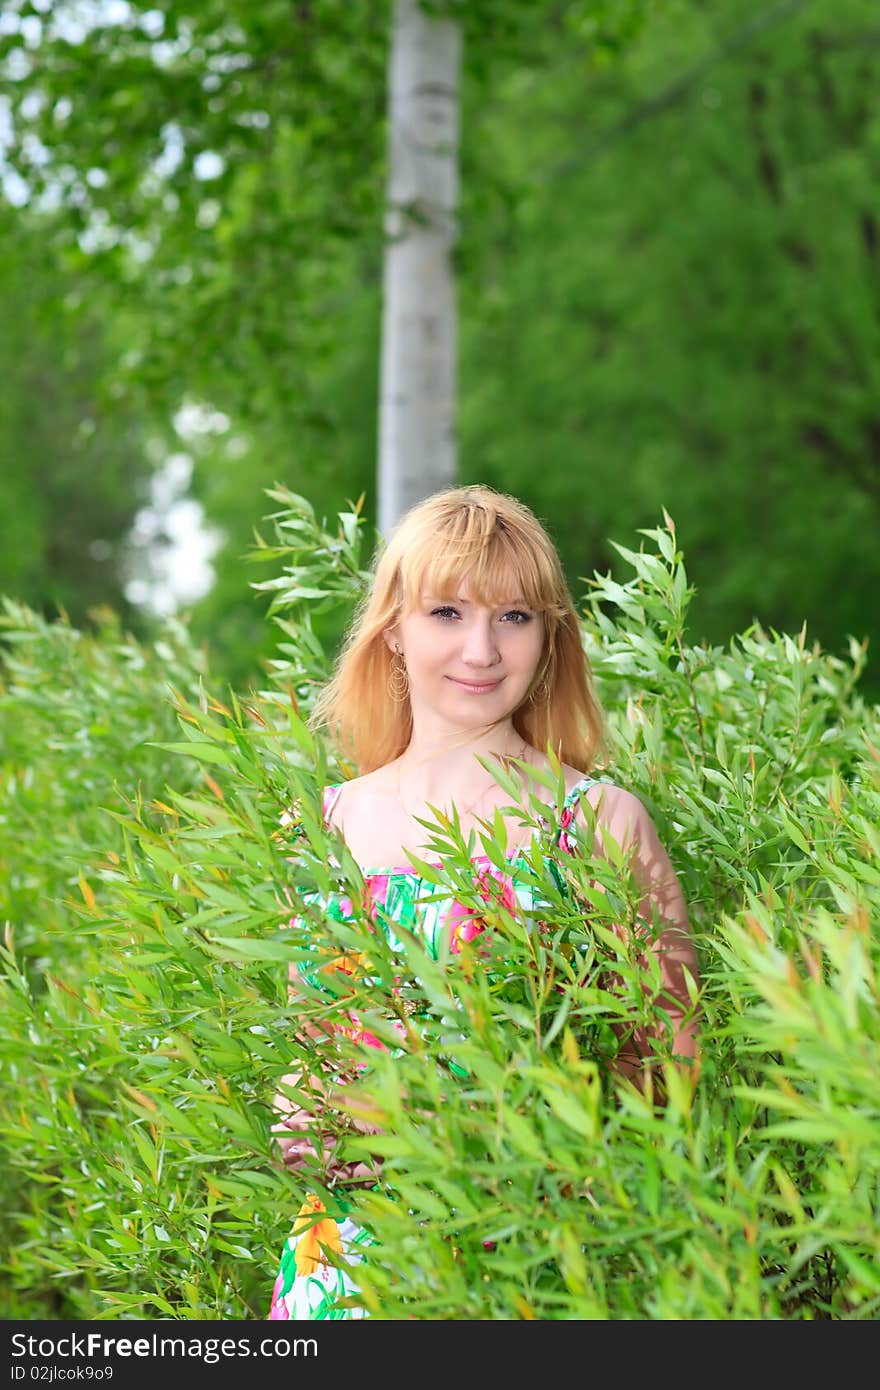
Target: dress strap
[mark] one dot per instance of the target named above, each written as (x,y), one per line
(562,836)
(329,800)
(579,786)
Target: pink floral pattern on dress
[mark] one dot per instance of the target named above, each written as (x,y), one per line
(567,842)
(279,1309)
(358,1034)
(376,892)
(463,924)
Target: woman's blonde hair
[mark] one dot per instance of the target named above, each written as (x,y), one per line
(500,546)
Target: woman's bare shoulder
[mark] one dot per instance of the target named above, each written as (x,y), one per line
(361,794)
(623,818)
(620,810)
(601,790)
(604,796)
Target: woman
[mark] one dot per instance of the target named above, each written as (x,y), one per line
(466,652)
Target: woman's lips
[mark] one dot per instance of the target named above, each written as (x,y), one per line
(476,687)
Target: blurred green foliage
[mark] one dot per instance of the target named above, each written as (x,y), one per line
(146,1024)
(667,269)
(76,452)
(680,299)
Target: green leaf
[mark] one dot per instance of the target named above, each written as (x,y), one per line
(202,752)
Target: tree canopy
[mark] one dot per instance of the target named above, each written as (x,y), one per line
(76,451)
(667,270)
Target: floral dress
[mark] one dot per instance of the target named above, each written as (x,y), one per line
(310,1284)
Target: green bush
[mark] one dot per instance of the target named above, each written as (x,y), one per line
(521,1179)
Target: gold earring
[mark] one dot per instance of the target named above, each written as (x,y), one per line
(398,680)
(541,692)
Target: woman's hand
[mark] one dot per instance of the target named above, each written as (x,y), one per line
(303,1142)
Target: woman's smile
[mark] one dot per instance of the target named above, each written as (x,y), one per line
(476,687)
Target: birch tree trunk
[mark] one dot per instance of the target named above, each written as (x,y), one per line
(417,452)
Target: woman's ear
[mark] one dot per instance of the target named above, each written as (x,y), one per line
(391,642)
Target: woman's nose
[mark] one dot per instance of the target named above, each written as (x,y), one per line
(480,646)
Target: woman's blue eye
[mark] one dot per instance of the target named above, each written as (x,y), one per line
(447,612)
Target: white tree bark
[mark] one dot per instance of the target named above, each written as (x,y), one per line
(417,451)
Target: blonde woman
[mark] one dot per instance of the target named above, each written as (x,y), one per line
(466,651)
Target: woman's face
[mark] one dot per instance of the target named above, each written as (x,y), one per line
(468,665)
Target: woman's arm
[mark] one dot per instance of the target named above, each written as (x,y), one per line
(299,1130)
(297,1124)
(622,817)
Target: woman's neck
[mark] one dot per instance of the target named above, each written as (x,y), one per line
(443,767)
